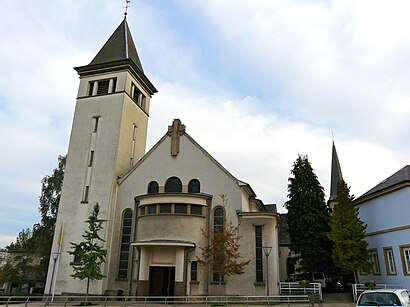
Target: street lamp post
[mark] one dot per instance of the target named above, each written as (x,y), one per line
(55,257)
(267,250)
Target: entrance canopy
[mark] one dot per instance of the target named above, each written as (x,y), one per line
(159,242)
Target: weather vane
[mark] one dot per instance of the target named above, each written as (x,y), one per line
(126,8)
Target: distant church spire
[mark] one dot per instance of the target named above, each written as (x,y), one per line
(336,175)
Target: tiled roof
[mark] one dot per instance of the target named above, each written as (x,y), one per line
(119,46)
(397,178)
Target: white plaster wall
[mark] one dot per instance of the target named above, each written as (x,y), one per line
(111,157)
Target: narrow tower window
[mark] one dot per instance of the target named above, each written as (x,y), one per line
(258,244)
(86,194)
(91,159)
(125,243)
(134,138)
(95,123)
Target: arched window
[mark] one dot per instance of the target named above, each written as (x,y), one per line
(194,186)
(153,187)
(219,219)
(173,185)
(125,243)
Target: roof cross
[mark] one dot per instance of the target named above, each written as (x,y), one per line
(126,8)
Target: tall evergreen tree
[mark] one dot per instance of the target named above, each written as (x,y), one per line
(350,252)
(308,219)
(89,255)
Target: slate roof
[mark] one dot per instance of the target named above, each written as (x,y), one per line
(402,176)
(336,175)
(119,46)
(283,233)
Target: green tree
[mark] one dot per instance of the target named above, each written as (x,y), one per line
(89,255)
(33,247)
(222,251)
(22,267)
(308,219)
(350,252)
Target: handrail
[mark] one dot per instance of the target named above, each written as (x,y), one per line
(147,300)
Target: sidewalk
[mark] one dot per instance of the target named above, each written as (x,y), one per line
(337,300)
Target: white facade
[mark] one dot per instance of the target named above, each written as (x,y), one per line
(153,235)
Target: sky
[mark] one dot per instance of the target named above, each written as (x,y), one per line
(255,82)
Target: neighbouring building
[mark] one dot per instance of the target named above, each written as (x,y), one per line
(386,210)
(157,203)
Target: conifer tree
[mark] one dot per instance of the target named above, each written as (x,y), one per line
(308,219)
(89,255)
(350,252)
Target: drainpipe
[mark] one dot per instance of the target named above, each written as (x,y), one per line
(187,252)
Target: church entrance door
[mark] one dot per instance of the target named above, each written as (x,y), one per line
(161,281)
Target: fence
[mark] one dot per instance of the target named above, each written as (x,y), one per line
(359,288)
(298,288)
(278,300)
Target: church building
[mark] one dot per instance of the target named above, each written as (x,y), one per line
(156,204)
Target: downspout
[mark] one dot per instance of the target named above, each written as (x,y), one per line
(187,252)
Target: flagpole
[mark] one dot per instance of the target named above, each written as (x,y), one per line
(55,258)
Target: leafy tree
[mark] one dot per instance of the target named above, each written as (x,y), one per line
(222,252)
(350,252)
(33,247)
(50,194)
(22,267)
(308,219)
(89,255)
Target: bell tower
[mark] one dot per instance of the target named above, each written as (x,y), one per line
(108,137)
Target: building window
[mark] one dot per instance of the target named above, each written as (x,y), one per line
(290,265)
(142,210)
(389,261)
(95,124)
(258,245)
(125,243)
(405,258)
(90,88)
(138,96)
(165,208)
(181,208)
(375,262)
(86,194)
(194,186)
(219,219)
(133,144)
(102,87)
(91,159)
(173,185)
(152,209)
(194,271)
(196,209)
(153,187)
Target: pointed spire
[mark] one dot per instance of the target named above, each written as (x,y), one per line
(119,46)
(336,175)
